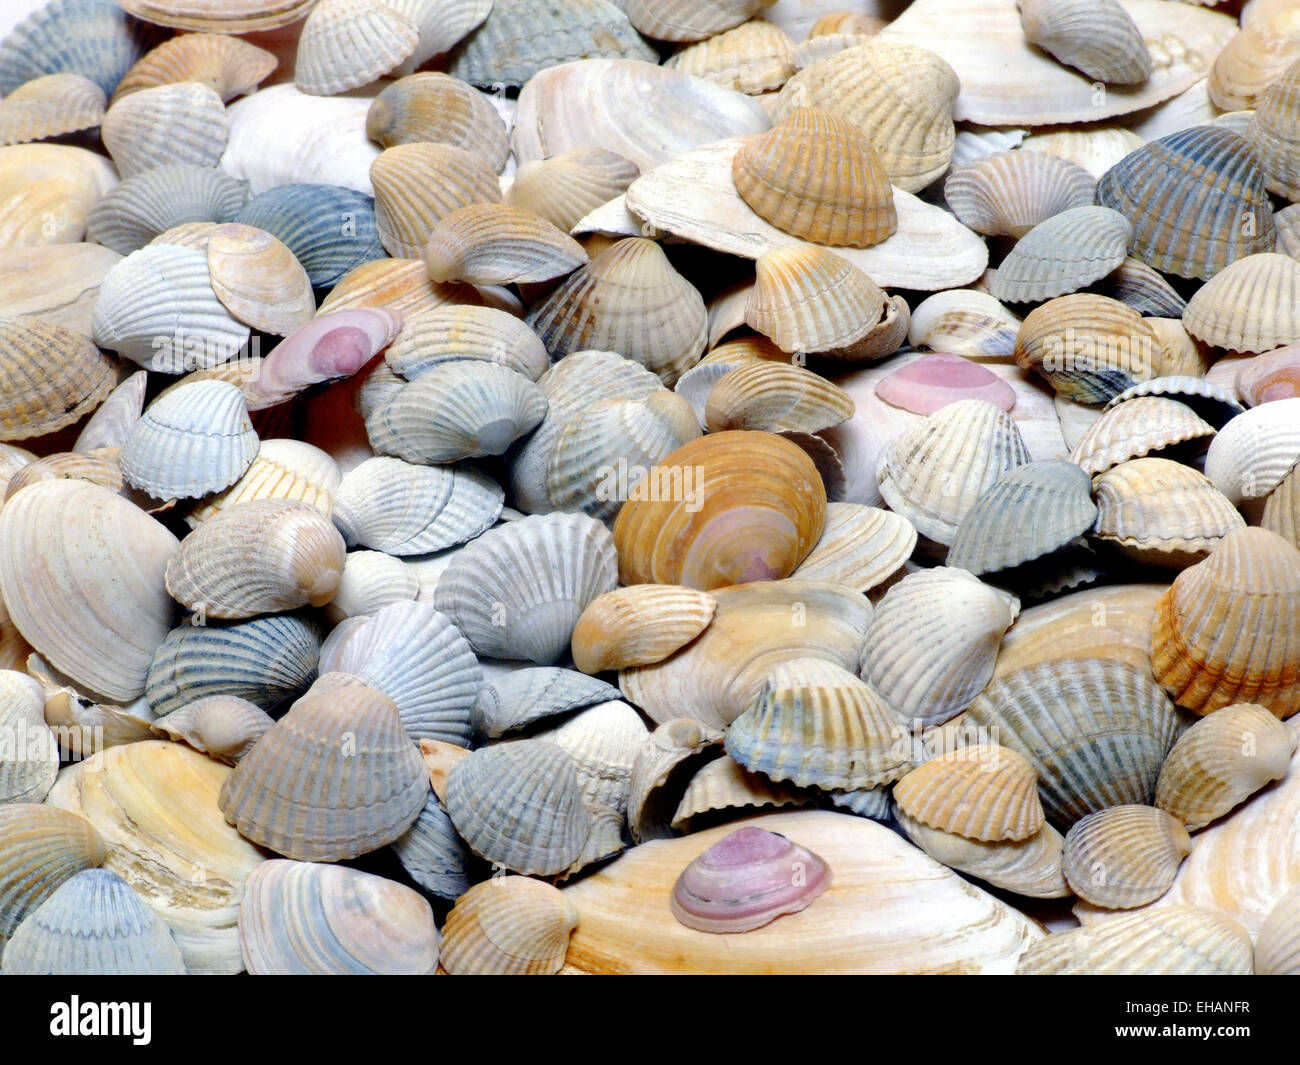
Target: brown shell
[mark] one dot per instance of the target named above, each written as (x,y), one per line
(50,377)
(983,792)
(638,626)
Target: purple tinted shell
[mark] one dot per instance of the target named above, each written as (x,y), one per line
(932,382)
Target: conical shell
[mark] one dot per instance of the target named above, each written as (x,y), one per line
(1196,200)
(1097,37)
(30,759)
(567,187)
(984,792)
(283,469)
(417,185)
(508,926)
(1096,730)
(88,37)
(439,108)
(810,299)
(182,123)
(860,546)
(49,106)
(223,727)
(228,65)
(1124,856)
(817,177)
(50,377)
(1206,661)
(496,244)
(259,280)
(932,642)
(1029,867)
(933,473)
(901,96)
(815,723)
(367,779)
(347,43)
(1277,950)
(638,626)
(1009,193)
(151,203)
(1136,428)
(518,590)
(774,397)
(453,333)
(754,57)
(1064,254)
(1251,306)
(524,696)
(722,529)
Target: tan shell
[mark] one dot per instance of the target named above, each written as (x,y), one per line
(56,282)
(775,397)
(1030,867)
(1255,58)
(455,332)
(567,187)
(754,57)
(347,43)
(230,16)
(723,789)
(1251,306)
(809,299)
(1097,37)
(181,123)
(399,285)
(964,322)
(1095,148)
(47,192)
(638,626)
(258,279)
(1009,193)
(224,727)
(99,468)
(50,377)
(508,926)
(49,107)
(228,65)
(1273,131)
(283,469)
(860,546)
(440,758)
(1277,950)
(1136,428)
(417,185)
(496,244)
(439,108)
(1124,856)
(982,792)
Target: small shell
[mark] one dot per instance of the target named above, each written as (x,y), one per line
(50,377)
(1136,428)
(283,469)
(754,57)
(368,781)
(1255,451)
(567,187)
(50,106)
(984,792)
(723,788)
(810,299)
(926,384)
(774,397)
(347,43)
(508,926)
(1277,948)
(1096,148)
(528,695)
(223,727)
(438,108)
(432,854)
(1009,193)
(30,759)
(146,205)
(452,333)
(860,546)
(1098,37)
(182,123)
(417,185)
(1125,856)
(1029,867)
(1271,377)
(690,20)
(228,65)
(496,244)
(1064,254)
(1251,306)
(258,279)
(638,626)
(964,322)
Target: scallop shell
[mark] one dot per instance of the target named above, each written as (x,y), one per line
(30,759)
(348,43)
(231,16)
(453,333)
(283,469)
(1136,428)
(439,108)
(88,37)
(50,106)
(409,203)
(441,26)
(228,65)
(1124,856)
(1009,193)
(182,123)
(566,187)
(860,546)
(518,590)
(528,695)
(496,244)
(1276,947)
(258,279)
(773,397)
(1064,254)
(223,727)
(1251,306)
(508,926)
(638,626)
(984,792)
(308,919)
(50,377)
(152,202)
(1097,37)
(754,57)
(1255,451)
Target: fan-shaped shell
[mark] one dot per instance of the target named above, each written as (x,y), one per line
(508,926)
(775,397)
(1255,451)
(452,333)
(1255,58)
(1251,306)
(283,469)
(524,696)
(152,202)
(754,57)
(441,26)
(89,37)
(181,123)
(1273,132)
(860,546)
(223,727)
(49,106)
(230,16)
(497,244)
(1097,37)
(439,108)
(984,792)
(1124,856)
(1136,428)
(810,299)
(50,377)
(1009,193)
(228,65)
(566,187)
(722,789)
(1063,254)
(432,854)
(638,626)
(348,43)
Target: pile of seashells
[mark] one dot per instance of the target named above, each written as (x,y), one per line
(592,486)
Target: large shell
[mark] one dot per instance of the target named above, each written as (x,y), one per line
(228,65)
(518,590)
(1097,37)
(50,377)
(367,780)
(497,244)
(508,926)
(223,727)
(348,43)
(1068,252)
(1009,193)
(566,187)
(410,202)
(1124,856)
(307,919)
(181,123)
(639,626)
(721,529)
(809,299)
(1251,306)
(984,792)
(29,759)
(149,204)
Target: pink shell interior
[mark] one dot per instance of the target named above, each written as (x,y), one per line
(1269,377)
(929,383)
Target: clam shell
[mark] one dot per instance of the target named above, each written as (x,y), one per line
(638,626)
(439,108)
(30,759)
(1125,856)
(777,510)
(152,202)
(985,792)
(1255,58)
(1029,867)
(524,696)
(1276,947)
(49,106)
(223,727)
(1096,148)
(1136,428)
(347,43)
(258,279)
(508,926)
(1271,377)
(409,205)
(86,37)
(47,191)
(754,57)
(1207,399)
(810,299)
(860,546)
(1067,252)
(402,509)
(228,65)
(1255,451)
(182,123)
(690,20)
(496,244)
(1251,306)
(94,605)
(432,854)
(964,322)
(265,661)
(308,919)
(666,762)
(231,16)
(932,642)
(1098,38)
(723,789)
(371,580)
(50,377)
(1144,289)
(566,187)
(518,590)
(368,781)
(774,397)
(1009,193)
(56,282)
(442,26)
(449,334)
(283,469)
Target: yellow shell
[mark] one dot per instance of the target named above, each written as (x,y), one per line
(809,299)
(982,792)
(776,397)
(496,244)
(417,185)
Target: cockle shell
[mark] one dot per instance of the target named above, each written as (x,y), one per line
(725,530)
(690,20)
(433,855)
(229,16)
(94,38)
(1144,289)
(1136,428)
(984,792)
(50,377)
(1029,867)
(1255,451)
(1063,254)
(347,43)
(809,299)
(524,696)
(1124,856)
(309,919)
(566,187)
(229,66)
(666,762)
(638,626)
(1094,148)
(408,205)
(455,332)
(1276,947)
(1097,37)
(965,323)
(497,244)
(49,106)
(223,727)
(29,757)
(153,202)
(723,789)
(368,781)
(1208,400)
(1251,306)
(860,546)
(371,581)
(602,740)
(181,123)
(508,926)
(775,397)
(1255,58)
(754,57)
(437,107)
(283,469)
(1009,193)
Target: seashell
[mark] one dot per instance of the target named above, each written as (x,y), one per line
(860,546)
(1255,451)
(432,854)
(754,57)
(519,805)
(1098,38)
(368,781)
(87,37)
(309,919)
(1207,399)
(438,108)
(50,377)
(95,606)
(875,803)
(775,397)
(815,723)
(1096,731)
(1009,193)
(1095,148)
(1204,173)
(1250,306)
(966,323)
(265,661)
(1287,221)
(348,43)
(1029,513)
(440,759)
(984,792)
(690,20)
(818,178)
(496,244)
(393,506)
(1162,513)
(93,923)
(258,279)
(528,695)
(153,202)
(155,806)
(371,581)
(901,97)
(1270,377)
(1136,428)
(567,187)
(778,512)
(329,229)
(602,740)
(1179,941)
(955,928)
(1255,59)
(228,65)
(283,469)
(229,16)
(932,641)
(1143,289)
(1275,949)
(1068,252)
(181,123)
(56,282)
(1089,348)
(666,762)
(1030,867)
(41,848)
(441,26)
(518,590)
(628,299)
(638,626)
(911,468)
(157,308)
(30,759)
(50,106)
(409,205)
(46,192)
(223,727)
(98,469)
(1282,509)
(456,332)
(508,926)
(723,787)
(1125,856)
(522,38)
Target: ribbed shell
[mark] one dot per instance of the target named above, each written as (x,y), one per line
(754,57)
(964,322)
(933,473)
(984,792)
(628,299)
(417,185)
(283,469)
(266,661)
(1009,193)
(231,16)
(809,299)
(1030,867)
(1096,730)
(336,777)
(639,625)
(258,280)
(150,203)
(371,581)
(50,106)
(442,26)
(452,333)
(815,723)
(817,177)
(1228,629)
(100,469)
(496,244)
(348,43)
(182,123)
(228,65)
(50,377)
(1251,306)
(439,108)
(93,38)
(722,789)
(774,397)
(603,741)
(1196,200)
(518,590)
(1098,37)
(1277,948)
(31,751)
(1255,451)
(519,805)
(1274,135)
(1136,428)
(308,919)
(932,643)
(508,926)
(690,20)
(567,187)
(1207,399)
(93,924)
(1064,254)
(1282,509)
(860,547)
(402,509)
(432,854)
(1125,856)
(223,727)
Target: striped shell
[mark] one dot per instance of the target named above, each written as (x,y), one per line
(439,108)
(1009,193)
(984,792)
(1064,254)
(1251,306)
(508,926)
(283,469)
(347,43)
(417,185)
(1097,37)
(1137,428)
(496,244)
(50,377)
(1124,856)
(223,727)
(567,187)
(860,546)
(228,65)
(147,205)
(638,626)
